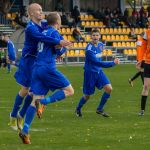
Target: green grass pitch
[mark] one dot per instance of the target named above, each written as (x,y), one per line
(60,129)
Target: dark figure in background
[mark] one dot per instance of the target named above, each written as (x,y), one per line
(76,14)
(77,34)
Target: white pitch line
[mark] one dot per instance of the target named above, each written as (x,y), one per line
(32,129)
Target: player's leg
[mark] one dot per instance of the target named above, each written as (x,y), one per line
(22,112)
(88,89)
(105,83)
(18,101)
(55,80)
(81,103)
(146,88)
(24,133)
(142,77)
(134,77)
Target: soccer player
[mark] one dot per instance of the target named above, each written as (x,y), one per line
(94,75)
(23,75)
(140,58)
(146,85)
(46,77)
(11,52)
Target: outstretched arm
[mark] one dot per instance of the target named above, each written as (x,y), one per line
(34,33)
(91,57)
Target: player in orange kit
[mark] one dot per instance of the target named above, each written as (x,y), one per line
(146,86)
(140,58)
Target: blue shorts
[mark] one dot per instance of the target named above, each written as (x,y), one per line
(24,73)
(92,80)
(44,79)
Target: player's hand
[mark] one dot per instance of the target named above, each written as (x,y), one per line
(117,61)
(58,46)
(65,43)
(138,65)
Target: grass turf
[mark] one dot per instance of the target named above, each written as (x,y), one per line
(60,129)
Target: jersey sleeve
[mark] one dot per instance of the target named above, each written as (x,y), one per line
(34,33)
(61,50)
(90,56)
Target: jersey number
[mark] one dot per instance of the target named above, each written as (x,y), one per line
(40,46)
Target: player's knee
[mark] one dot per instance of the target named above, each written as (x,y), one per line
(86,97)
(69,91)
(108,90)
(23,91)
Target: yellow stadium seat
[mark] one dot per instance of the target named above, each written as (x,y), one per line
(136,30)
(68,30)
(117,37)
(88,37)
(83,23)
(124,30)
(123,44)
(70,38)
(82,17)
(65,37)
(134,52)
(113,38)
(102,30)
(63,30)
(92,23)
(119,44)
(108,37)
(96,23)
(101,24)
(68,53)
(75,45)
(104,37)
(126,37)
(81,53)
(130,52)
(76,53)
(132,44)
(109,52)
(119,30)
(84,44)
(80,44)
(104,53)
(115,30)
(128,44)
(125,52)
(106,30)
(86,17)
(115,44)
(122,37)
(128,30)
(111,31)
(87,23)
(90,17)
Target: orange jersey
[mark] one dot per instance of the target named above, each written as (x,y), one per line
(147,45)
(140,49)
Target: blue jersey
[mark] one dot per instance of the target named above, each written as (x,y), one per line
(11,50)
(32,36)
(93,58)
(47,54)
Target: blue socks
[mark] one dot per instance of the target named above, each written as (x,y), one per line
(28,119)
(104,98)
(81,103)
(18,102)
(27,102)
(57,96)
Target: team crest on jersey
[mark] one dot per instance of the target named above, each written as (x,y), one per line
(99,55)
